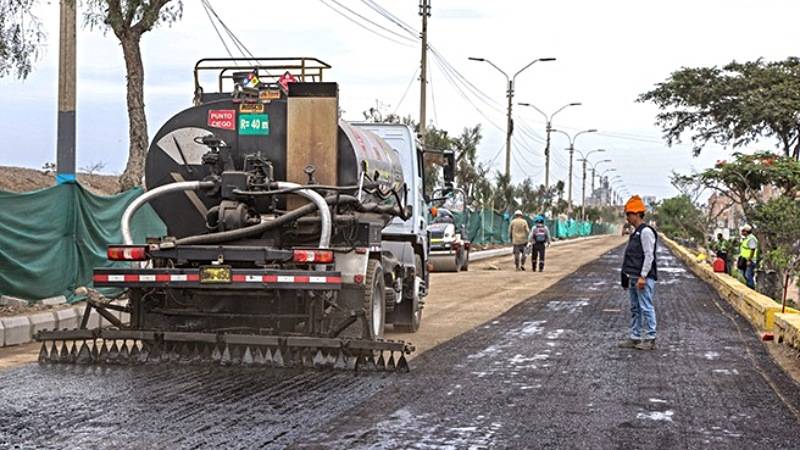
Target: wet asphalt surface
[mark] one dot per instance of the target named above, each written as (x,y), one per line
(547,374)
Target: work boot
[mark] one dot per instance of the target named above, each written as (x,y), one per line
(647,344)
(541,268)
(522,268)
(629,343)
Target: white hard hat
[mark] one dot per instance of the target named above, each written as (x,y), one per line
(747,227)
(517,213)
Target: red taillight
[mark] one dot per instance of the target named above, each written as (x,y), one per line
(313,256)
(127,253)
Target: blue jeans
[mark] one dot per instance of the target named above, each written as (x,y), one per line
(749,275)
(643,314)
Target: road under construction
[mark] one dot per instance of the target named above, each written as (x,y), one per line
(504,359)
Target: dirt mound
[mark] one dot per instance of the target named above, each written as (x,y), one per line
(20,179)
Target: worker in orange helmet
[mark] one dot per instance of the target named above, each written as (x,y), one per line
(639,275)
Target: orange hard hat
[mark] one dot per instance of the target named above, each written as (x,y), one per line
(635,205)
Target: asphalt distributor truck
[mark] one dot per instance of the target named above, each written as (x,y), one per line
(293,237)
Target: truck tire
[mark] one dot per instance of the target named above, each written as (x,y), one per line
(408,314)
(374,298)
(465,267)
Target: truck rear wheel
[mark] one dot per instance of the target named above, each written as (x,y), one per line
(374,301)
(408,314)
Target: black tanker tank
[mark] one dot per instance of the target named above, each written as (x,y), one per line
(277,127)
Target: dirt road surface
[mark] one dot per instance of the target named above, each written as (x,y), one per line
(544,374)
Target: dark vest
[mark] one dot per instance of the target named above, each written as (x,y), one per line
(634,254)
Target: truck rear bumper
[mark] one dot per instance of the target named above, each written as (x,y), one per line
(240,279)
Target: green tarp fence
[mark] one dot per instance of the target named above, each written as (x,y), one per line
(490,227)
(51,239)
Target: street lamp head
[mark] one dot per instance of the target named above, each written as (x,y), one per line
(575,104)
(472,58)
(600,150)
(547,59)
(524,104)
(592,130)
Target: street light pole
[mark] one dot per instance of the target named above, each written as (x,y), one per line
(510,96)
(604,182)
(571,154)
(585,159)
(594,170)
(548,129)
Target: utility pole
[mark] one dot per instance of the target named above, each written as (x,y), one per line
(65,144)
(425,12)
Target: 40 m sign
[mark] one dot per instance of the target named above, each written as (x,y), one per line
(254,124)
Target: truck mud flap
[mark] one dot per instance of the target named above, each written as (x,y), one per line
(132,347)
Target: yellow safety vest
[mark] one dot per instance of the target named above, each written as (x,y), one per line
(744,249)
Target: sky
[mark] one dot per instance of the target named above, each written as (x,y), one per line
(608,52)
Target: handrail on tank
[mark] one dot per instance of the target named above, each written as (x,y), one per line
(301,67)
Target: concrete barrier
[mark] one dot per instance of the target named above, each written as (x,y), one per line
(53,301)
(43,321)
(94,318)
(787,329)
(757,308)
(123,316)
(17,330)
(7,300)
(67,319)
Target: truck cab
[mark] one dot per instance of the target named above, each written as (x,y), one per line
(407,239)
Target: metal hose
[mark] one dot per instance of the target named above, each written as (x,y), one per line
(125,225)
(322,206)
(255,230)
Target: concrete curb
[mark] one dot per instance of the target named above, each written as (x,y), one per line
(16,330)
(758,309)
(505,251)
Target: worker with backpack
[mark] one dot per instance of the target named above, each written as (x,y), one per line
(539,238)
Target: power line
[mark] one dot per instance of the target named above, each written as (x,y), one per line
(392,32)
(213,24)
(361,25)
(238,43)
(408,88)
(433,99)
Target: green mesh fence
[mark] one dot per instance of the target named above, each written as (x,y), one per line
(51,239)
(490,227)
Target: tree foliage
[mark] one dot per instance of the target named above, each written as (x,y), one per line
(678,217)
(735,105)
(767,186)
(21,37)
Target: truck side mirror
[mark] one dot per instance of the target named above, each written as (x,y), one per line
(449,168)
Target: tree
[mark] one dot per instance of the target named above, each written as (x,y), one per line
(21,37)
(678,217)
(129,20)
(735,105)
(471,175)
(767,187)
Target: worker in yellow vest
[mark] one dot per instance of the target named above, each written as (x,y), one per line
(748,252)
